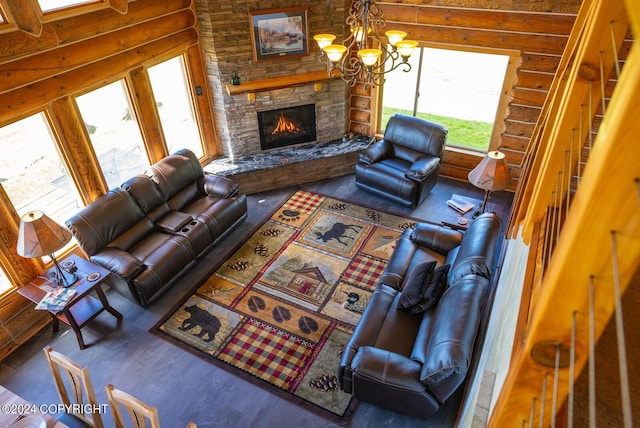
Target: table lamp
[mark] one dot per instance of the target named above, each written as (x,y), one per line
(492,173)
(39,236)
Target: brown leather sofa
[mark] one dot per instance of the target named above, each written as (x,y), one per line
(156,224)
(404,166)
(412,363)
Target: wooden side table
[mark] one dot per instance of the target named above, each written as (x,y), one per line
(451,218)
(83,307)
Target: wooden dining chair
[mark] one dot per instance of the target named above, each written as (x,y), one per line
(78,388)
(139,412)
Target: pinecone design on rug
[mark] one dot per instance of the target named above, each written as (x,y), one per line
(239,265)
(325,383)
(339,206)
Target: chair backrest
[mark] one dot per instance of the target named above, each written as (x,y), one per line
(139,412)
(416,134)
(80,386)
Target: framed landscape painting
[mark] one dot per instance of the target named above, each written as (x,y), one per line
(279,33)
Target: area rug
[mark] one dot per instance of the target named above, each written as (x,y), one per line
(281,309)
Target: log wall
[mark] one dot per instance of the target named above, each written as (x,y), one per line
(45,60)
(535,31)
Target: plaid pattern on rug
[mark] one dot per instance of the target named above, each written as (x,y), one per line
(283,306)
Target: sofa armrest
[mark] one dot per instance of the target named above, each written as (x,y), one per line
(398,264)
(388,368)
(437,237)
(366,332)
(119,262)
(221,187)
(423,168)
(376,152)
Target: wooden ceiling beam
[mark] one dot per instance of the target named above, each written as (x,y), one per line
(25,14)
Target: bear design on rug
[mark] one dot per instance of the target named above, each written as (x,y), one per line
(208,323)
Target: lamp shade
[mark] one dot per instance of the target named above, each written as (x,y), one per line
(492,173)
(395,36)
(39,235)
(406,47)
(369,56)
(324,39)
(335,52)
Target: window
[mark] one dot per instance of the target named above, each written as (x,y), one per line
(460,90)
(32,172)
(5,284)
(114,132)
(171,89)
(49,5)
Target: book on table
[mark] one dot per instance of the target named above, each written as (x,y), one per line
(56,299)
(460,204)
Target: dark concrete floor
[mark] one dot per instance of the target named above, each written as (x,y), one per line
(183,386)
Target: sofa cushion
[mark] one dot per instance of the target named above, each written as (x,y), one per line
(174,173)
(431,290)
(413,290)
(106,219)
(147,195)
(453,333)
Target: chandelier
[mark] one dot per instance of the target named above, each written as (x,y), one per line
(375,57)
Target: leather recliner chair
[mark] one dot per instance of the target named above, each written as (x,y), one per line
(413,363)
(404,166)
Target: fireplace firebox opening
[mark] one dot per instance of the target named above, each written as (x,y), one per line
(287,126)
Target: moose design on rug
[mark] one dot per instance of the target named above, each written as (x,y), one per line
(338,230)
(336,233)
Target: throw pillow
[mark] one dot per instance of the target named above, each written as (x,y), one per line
(416,277)
(432,290)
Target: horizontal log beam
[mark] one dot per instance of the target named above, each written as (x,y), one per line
(25,99)
(16,44)
(534,80)
(50,63)
(502,20)
(102,21)
(543,44)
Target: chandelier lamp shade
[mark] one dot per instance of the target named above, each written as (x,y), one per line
(491,174)
(40,236)
(374,56)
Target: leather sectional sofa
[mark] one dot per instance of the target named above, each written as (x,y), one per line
(412,363)
(156,224)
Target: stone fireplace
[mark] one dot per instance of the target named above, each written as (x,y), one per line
(226,41)
(287,126)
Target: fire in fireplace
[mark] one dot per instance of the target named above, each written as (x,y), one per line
(287,126)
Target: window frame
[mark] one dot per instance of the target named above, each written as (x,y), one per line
(503,102)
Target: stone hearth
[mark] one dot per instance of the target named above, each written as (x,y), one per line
(290,165)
